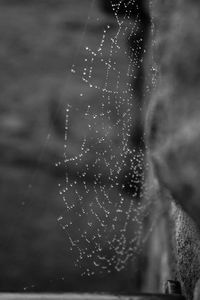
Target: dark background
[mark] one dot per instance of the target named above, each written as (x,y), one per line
(39,42)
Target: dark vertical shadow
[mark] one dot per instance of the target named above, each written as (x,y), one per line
(136,45)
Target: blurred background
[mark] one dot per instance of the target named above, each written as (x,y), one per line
(40,40)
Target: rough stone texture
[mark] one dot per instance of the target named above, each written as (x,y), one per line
(174,129)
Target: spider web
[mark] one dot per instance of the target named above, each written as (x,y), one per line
(104,223)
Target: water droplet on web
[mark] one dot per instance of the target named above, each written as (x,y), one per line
(108,221)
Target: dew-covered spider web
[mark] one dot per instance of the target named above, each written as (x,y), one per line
(104,186)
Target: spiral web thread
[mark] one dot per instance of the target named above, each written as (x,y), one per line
(103,223)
